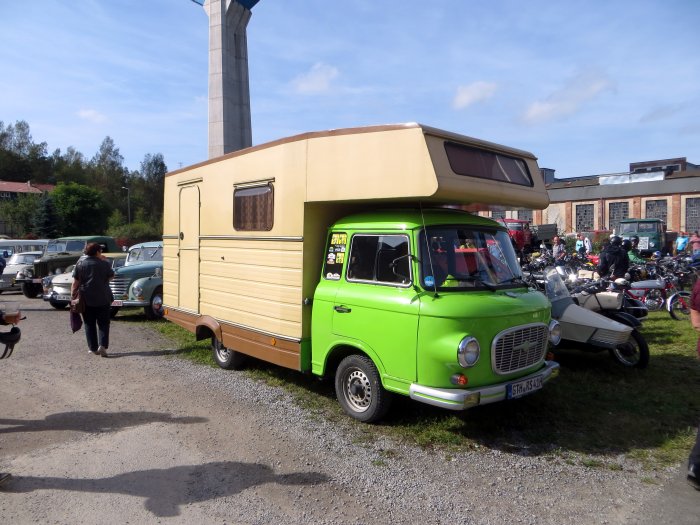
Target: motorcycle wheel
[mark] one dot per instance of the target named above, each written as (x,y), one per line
(634,353)
(679,307)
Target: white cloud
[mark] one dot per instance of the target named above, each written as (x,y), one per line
(569,99)
(92,115)
(473,93)
(317,80)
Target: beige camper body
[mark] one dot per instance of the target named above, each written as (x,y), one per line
(252,289)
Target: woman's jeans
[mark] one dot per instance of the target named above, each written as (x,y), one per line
(96,323)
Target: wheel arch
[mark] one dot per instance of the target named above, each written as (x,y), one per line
(207,327)
(341,351)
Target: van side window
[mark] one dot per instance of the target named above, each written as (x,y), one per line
(253,208)
(379,258)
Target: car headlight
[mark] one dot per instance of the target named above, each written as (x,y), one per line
(652,243)
(20,275)
(554,332)
(58,271)
(468,352)
(137,290)
(29,274)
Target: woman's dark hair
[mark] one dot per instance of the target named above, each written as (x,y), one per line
(92,249)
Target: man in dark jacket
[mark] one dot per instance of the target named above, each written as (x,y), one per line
(614,259)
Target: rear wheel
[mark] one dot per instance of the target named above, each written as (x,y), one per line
(633,353)
(359,389)
(679,306)
(225,357)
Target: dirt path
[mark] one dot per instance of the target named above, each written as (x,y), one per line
(140,437)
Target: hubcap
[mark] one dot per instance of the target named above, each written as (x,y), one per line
(358,390)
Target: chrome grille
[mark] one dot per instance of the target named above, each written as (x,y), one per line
(519,348)
(120,287)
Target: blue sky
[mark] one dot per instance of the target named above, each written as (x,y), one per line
(587,86)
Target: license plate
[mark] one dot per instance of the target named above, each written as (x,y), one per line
(525,387)
(62,297)
(117,303)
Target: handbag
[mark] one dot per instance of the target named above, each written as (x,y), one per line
(76,321)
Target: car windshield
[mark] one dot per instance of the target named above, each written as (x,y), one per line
(652,227)
(56,246)
(460,257)
(23,258)
(144,254)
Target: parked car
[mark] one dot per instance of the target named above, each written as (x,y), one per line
(59,254)
(57,287)
(140,281)
(18,262)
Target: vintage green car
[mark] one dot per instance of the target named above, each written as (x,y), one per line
(59,254)
(140,281)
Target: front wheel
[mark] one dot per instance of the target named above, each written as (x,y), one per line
(359,389)
(634,353)
(225,357)
(31,290)
(155,309)
(679,306)
(58,305)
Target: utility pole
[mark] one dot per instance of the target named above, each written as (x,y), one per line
(128,203)
(229,92)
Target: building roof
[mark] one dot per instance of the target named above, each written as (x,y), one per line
(24,187)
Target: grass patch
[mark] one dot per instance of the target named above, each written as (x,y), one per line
(591,414)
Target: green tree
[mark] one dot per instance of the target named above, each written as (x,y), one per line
(83,210)
(19,213)
(46,222)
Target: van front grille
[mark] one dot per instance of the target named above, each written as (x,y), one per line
(519,348)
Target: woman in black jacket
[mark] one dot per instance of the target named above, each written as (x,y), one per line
(91,277)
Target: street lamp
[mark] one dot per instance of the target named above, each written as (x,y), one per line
(128,203)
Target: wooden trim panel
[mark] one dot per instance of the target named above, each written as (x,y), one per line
(268,347)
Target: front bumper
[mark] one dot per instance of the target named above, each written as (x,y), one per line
(462,399)
(118,303)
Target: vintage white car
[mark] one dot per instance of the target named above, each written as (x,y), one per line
(18,262)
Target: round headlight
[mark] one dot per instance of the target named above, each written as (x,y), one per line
(652,243)
(30,274)
(468,352)
(554,332)
(58,271)
(137,290)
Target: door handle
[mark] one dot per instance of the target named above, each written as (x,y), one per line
(342,309)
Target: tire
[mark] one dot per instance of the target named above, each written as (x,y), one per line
(225,357)
(634,353)
(680,310)
(155,309)
(31,290)
(359,389)
(58,305)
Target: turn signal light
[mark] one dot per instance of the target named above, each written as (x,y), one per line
(459,379)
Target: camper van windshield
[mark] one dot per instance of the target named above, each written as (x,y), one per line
(458,258)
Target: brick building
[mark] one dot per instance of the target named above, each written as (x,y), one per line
(666,189)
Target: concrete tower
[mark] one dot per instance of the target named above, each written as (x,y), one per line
(229,92)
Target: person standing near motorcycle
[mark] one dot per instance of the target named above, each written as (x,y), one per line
(633,251)
(614,259)
(694,458)
(558,250)
(694,243)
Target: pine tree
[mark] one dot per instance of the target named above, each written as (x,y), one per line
(46,223)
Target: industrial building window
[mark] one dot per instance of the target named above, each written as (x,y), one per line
(525,215)
(253,208)
(657,209)
(616,212)
(484,164)
(692,215)
(584,217)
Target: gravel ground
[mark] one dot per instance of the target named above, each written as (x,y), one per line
(145,437)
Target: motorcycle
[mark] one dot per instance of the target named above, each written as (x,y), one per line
(658,293)
(588,330)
